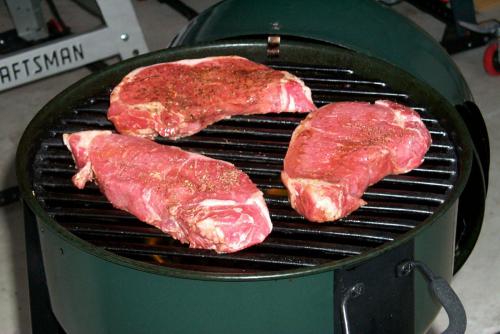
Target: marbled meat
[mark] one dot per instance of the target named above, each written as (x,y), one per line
(180,98)
(342,148)
(204,202)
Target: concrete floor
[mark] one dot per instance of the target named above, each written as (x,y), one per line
(477,284)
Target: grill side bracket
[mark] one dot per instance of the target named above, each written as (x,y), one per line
(387,302)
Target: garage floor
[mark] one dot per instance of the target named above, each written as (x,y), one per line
(477,284)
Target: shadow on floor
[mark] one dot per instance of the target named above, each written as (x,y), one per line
(12,216)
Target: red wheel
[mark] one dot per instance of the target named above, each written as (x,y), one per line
(491,62)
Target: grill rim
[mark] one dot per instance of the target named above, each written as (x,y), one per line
(255,50)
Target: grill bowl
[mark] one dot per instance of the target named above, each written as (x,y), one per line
(92,290)
(400,223)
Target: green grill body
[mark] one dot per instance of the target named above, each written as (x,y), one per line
(90,294)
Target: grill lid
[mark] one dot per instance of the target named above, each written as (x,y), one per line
(397,206)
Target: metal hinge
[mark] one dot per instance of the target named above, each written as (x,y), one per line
(273,46)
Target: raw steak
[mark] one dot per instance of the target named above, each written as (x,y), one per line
(198,200)
(181,98)
(342,148)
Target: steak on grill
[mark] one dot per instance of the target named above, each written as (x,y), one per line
(180,98)
(342,148)
(197,200)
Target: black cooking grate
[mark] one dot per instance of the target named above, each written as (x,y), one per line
(256,145)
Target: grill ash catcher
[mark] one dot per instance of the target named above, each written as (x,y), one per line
(383,269)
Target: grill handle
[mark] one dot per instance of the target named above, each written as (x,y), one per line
(353,292)
(443,292)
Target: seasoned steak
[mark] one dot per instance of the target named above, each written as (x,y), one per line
(181,98)
(342,148)
(201,201)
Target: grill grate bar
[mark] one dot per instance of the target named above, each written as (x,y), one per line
(403,195)
(76,198)
(223,142)
(322,230)
(316,69)
(411,180)
(406,208)
(317,91)
(91,213)
(385,223)
(97,109)
(311,81)
(230,130)
(102,122)
(435,171)
(309,246)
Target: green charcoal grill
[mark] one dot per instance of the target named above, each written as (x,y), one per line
(383,269)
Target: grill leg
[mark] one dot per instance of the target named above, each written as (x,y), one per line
(43,320)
